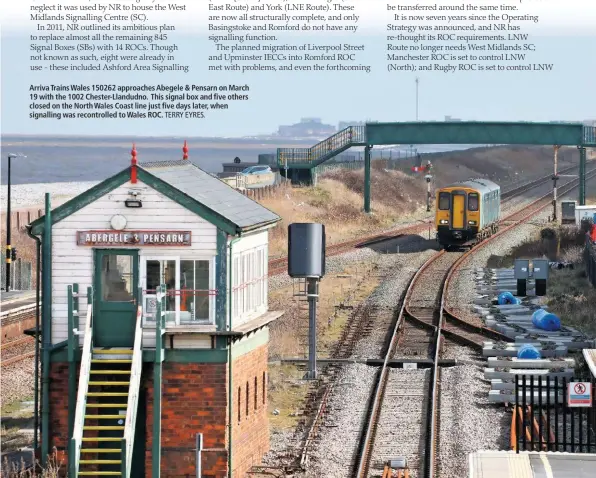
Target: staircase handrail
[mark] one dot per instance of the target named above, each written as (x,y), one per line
(77,438)
(133,396)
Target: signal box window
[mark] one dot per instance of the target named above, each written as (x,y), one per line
(444,201)
(473,202)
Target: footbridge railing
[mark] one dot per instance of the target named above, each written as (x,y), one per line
(324,150)
(590,136)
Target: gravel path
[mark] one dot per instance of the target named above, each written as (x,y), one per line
(16,380)
(338,438)
(468,422)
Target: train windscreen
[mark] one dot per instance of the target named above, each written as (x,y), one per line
(444,201)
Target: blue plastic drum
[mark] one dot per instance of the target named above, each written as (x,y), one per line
(546,321)
(528,351)
(507,298)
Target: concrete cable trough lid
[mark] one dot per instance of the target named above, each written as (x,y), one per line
(515,321)
(498,349)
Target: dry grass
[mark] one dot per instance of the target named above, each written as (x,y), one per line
(288,334)
(53,468)
(337,201)
(287,389)
(557,243)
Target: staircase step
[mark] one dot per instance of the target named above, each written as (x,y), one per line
(98,428)
(103,417)
(110,383)
(107,405)
(94,439)
(100,462)
(111,361)
(119,351)
(107,394)
(101,450)
(109,372)
(102,473)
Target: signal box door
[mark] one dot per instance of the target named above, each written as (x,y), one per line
(458,210)
(116,281)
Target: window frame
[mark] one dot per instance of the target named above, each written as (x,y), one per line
(443,194)
(249,281)
(150,321)
(477,197)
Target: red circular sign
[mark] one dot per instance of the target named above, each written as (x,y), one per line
(579,388)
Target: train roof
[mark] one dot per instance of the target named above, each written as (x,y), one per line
(481,184)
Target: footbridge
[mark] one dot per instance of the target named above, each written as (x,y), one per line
(298,163)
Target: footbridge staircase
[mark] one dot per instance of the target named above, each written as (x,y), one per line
(308,158)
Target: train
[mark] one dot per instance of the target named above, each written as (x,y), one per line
(467,212)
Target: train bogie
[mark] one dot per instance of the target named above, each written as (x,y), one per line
(467,212)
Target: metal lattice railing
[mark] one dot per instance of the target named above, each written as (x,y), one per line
(21,274)
(352,135)
(590,135)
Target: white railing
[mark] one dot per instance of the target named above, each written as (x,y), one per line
(133,396)
(77,436)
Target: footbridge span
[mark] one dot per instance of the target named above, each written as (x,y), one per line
(298,163)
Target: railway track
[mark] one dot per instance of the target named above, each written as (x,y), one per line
(280,264)
(17,350)
(424,319)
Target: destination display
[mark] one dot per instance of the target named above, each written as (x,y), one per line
(137,238)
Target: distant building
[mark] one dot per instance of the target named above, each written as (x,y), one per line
(308,127)
(451,119)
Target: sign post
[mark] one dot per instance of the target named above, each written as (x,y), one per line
(579,394)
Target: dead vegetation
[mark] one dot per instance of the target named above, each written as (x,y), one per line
(339,293)
(337,201)
(22,469)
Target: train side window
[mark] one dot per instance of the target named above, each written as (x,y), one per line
(473,202)
(444,201)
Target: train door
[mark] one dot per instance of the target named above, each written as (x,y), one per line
(458,209)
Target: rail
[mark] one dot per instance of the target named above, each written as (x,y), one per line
(369,436)
(133,396)
(432,407)
(77,438)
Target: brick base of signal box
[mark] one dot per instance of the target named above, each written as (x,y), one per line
(194,400)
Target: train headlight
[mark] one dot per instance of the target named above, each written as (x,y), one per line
(443,221)
(472,223)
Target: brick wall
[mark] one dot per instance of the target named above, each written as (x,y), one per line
(13,323)
(194,400)
(250,431)
(59,412)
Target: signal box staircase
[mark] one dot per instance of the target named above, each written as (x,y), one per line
(103,430)
(105,412)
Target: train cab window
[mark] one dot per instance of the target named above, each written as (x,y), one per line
(473,202)
(444,201)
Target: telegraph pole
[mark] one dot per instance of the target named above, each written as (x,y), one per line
(555,178)
(8,226)
(417,81)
